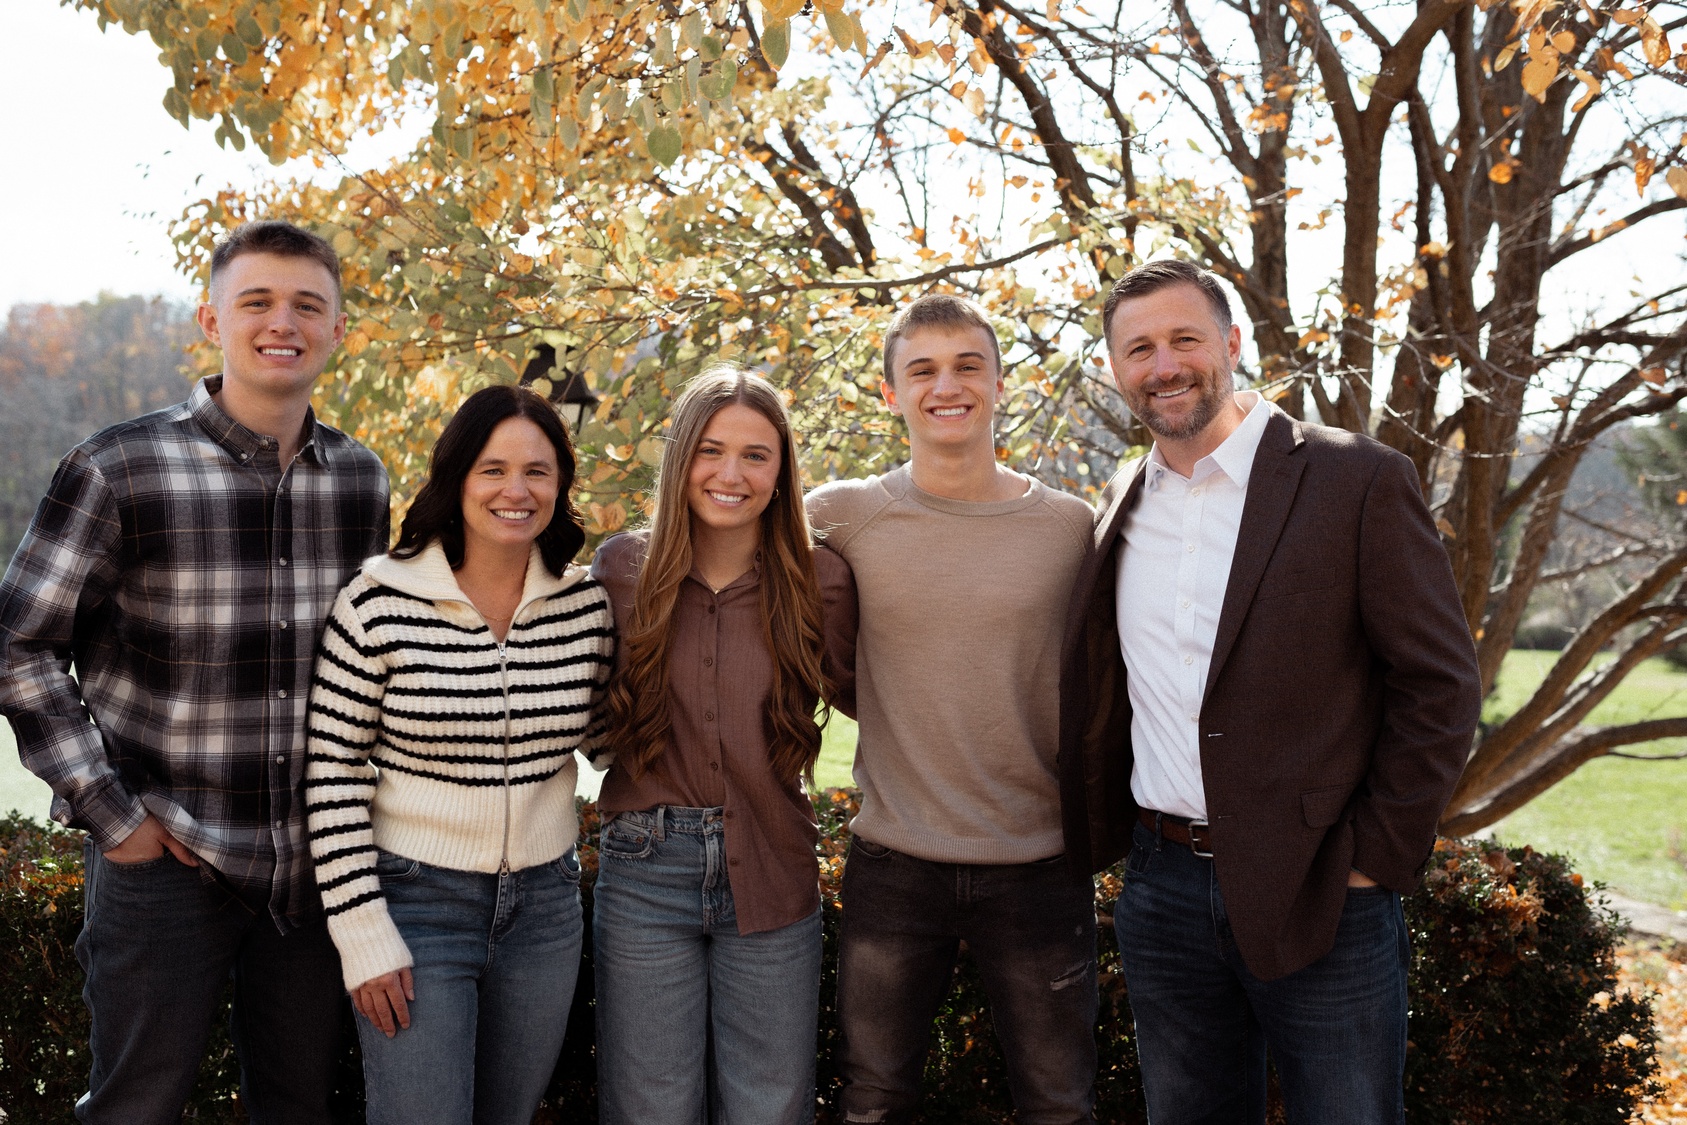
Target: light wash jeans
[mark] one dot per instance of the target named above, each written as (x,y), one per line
(1335,1030)
(496,960)
(696,1022)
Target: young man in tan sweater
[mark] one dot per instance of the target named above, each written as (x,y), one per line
(964,569)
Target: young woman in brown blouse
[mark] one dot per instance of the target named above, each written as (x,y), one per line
(706,920)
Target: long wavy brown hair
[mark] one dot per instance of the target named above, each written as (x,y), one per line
(792,619)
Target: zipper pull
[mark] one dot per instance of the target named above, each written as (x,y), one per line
(504,868)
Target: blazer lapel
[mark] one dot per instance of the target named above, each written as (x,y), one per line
(1271,493)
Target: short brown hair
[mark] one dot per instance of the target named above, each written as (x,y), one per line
(1155,276)
(272,236)
(936,310)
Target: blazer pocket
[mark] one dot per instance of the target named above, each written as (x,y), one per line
(1282,583)
(1323,807)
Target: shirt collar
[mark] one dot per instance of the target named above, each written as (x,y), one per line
(242,443)
(1235,455)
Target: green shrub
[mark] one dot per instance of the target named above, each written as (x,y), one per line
(1515,1013)
(1515,1016)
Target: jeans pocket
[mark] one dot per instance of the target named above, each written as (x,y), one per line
(868,848)
(392,868)
(142,866)
(568,866)
(624,837)
(1136,863)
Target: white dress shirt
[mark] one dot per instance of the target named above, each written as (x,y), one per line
(1174,566)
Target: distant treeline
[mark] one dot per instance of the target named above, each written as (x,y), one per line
(69,370)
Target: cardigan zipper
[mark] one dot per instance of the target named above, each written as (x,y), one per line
(504,675)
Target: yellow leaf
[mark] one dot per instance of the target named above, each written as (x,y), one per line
(1628,19)
(1676,178)
(974,100)
(1681,497)
(1653,43)
(1592,85)
(1538,74)
(1505,57)
(1445,528)
(778,11)
(878,57)
(843,32)
(1564,42)
(1500,173)
(956,136)
(1644,166)
(1654,375)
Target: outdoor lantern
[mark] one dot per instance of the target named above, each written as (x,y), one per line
(569,389)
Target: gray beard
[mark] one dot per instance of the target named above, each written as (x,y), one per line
(1206,409)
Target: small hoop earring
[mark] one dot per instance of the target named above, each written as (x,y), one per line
(775,494)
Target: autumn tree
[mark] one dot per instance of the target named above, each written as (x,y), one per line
(68,370)
(1397,192)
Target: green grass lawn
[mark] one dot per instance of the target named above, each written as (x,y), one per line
(1618,819)
(1623,822)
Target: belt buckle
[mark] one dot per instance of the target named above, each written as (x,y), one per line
(1200,838)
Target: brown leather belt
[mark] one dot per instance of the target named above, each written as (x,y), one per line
(1195,835)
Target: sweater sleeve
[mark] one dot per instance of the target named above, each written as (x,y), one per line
(344,725)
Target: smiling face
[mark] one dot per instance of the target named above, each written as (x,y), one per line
(946,386)
(1172,361)
(511,491)
(277,320)
(734,471)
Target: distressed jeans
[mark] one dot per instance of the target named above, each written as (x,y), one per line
(158,943)
(496,961)
(1336,1030)
(1030,929)
(696,1022)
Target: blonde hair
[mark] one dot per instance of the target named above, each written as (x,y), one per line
(792,617)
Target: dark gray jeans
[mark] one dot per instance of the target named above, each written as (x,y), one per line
(158,943)
(1030,929)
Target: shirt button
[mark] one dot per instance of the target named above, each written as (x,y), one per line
(282,624)
(708,716)
(1194,492)
(282,693)
(714,765)
(1185,603)
(1194,718)
(1189,547)
(282,562)
(281,759)
(732,863)
(1189,660)
(708,661)
(711,609)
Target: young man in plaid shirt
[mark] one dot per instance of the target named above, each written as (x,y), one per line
(183,562)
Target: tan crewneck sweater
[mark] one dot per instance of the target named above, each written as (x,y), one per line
(957,662)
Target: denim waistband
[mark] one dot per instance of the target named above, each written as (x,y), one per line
(676,818)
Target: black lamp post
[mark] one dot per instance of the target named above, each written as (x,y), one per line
(569,389)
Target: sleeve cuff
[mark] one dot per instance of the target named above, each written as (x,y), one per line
(369,943)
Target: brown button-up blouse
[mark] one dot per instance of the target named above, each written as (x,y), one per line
(720,674)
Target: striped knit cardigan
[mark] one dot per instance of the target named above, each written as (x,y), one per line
(430,740)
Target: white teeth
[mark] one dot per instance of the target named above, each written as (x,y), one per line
(950,411)
(278,351)
(726,498)
(506,515)
(1169,394)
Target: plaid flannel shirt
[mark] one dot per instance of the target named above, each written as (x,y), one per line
(187,578)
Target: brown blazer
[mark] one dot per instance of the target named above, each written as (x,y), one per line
(1340,705)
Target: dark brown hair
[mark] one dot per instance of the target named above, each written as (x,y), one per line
(437,511)
(1155,276)
(936,310)
(792,617)
(272,236)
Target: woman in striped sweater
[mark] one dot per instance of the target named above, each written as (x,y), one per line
(706,920)
(455,679)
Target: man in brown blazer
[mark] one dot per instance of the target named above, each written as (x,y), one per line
(1268,692)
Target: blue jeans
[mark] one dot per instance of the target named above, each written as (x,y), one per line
(1030,929)
(496,960)
(696,1022)
(1336,1030)
(158,943)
